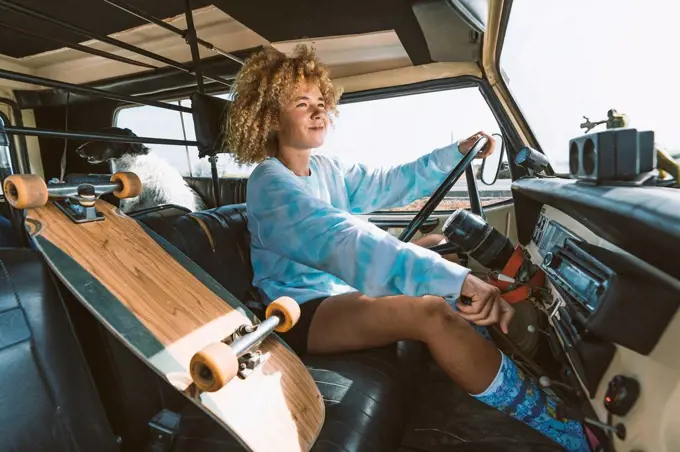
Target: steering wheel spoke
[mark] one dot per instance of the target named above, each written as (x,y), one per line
(432,203)
(446,248)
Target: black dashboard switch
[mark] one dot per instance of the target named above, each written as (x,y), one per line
(621,395)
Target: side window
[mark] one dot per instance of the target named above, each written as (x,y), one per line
(391,131)
(381,132)
(158,123)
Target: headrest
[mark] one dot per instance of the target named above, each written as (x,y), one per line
(210,114)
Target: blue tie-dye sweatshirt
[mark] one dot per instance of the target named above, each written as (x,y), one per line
(306,243)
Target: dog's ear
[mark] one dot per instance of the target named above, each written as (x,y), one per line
(138,148)
(127,148)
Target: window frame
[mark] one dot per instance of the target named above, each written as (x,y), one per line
(176,100)
(512,138)
(504,23)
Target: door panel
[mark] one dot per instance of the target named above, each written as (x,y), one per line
(500,216)
(429,225)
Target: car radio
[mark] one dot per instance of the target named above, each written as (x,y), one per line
(614,298)
(583,278)
(602,298)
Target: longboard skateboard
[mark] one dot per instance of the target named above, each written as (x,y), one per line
(171,314)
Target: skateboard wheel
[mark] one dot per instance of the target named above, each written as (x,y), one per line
(25,191)
(213,367)
(288,308)
(130,184)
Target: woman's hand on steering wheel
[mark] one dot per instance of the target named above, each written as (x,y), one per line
(465,145)
(486,306)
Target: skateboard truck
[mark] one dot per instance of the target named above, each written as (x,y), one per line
(76,196)
(219,362)
(249,361)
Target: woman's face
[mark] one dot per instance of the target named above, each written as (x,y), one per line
(303,120)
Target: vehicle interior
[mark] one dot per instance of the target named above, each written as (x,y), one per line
(590,208)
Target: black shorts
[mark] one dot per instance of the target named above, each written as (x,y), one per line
(296,337)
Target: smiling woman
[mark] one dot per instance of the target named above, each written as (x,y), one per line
(359,287)
(255,114)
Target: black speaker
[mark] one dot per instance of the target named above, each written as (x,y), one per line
(615,154)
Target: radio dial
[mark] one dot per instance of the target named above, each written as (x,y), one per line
(550,260)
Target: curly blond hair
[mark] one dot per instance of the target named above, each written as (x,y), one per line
(266,82)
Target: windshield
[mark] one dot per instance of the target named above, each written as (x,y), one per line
(566,60)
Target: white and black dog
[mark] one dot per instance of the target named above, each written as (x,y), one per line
(161,183)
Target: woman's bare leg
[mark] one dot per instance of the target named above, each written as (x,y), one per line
(430,240)
(354,321)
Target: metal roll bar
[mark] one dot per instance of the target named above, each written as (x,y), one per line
(81,48)
(88,34)
(193,43)
(86,90)
(50,133)
(171,28)
(189,36)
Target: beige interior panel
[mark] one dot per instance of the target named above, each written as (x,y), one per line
(9,64)
(490,47)
(502,217)
(355,54)
(32,144)
(407,75)
(8,94)
(73,66)
(347,56)
(654,422)
(28,118)
(491,40)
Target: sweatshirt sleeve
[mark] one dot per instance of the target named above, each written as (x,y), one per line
(381,188)
(297,226)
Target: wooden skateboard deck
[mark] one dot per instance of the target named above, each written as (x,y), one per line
(165,309)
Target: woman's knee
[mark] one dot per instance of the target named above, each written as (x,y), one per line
(436,315)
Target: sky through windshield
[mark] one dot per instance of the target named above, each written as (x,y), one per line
(583,57)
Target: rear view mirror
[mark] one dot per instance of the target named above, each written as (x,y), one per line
(491,165)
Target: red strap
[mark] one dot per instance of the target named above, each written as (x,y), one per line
(510,270)
(524,291)
(514,263)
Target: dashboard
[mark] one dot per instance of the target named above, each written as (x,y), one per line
(613,301)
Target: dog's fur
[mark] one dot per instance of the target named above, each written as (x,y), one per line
(161,183)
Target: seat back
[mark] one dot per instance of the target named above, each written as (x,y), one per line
(218,241)
(232,190)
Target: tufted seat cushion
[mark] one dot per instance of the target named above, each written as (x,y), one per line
(367,394)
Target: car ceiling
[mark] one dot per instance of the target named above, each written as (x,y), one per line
(95,15)
(304,19)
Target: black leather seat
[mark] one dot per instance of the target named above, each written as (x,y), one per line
(232,190)
(47,397)
(367,394)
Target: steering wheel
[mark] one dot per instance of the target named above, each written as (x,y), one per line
(432,203)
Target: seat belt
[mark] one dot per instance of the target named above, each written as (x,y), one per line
(515,280)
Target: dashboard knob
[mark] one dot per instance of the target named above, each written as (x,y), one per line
(547,260)
(621,395)
(551,260)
